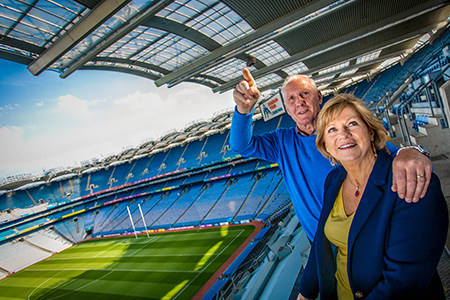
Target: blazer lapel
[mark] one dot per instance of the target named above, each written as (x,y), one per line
(372,194)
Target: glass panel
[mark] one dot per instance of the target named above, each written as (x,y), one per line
(324,79)
(229,70)
(169,51)
(9,13)
(212,18)
(25,36)
(5,24)
(44,27)
(268,79)
(57,10)
(46,19)
(349,72)
(335,68)
(269,53)
(368,57)
(298,68)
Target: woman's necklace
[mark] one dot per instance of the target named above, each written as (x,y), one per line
(357,187)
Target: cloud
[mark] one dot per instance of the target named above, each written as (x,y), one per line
(22,155)
(9,106)
(13,147)
(138,101)
(10,135)
(74,129)
(74,105)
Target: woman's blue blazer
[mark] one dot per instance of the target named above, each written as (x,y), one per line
(393,246)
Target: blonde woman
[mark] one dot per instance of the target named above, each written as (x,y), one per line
(370,244)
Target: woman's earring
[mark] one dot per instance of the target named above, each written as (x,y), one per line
(374,150)
(332,162)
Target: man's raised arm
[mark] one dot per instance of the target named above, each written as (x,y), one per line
(246,93)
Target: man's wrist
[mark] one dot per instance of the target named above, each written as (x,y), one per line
(418,148)
(244,111)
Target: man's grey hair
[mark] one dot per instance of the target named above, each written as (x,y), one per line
(295,76)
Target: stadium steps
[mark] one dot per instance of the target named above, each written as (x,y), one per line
(246,198)
(31,197)
(64,237)
(215,203)
(371,86)
(192,204)
(130,173)
(36,246)
(71,240)
(274,277)
(58,234)
(269,198)
(108,217)
(437,141)
(393,119)
(167,209)
(426,111)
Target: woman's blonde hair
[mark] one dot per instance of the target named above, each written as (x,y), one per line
(333,107)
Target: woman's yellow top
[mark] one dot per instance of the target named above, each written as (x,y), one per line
(337,228)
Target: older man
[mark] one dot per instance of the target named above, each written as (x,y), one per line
(304,168)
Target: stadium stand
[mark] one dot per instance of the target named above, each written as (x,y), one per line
(185,199)
(231,199)
(214,148)
(19,255)
(266,184)
(191,155)
(48,240)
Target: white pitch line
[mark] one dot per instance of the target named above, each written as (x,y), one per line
(120,256)
(167,235)
(145,245)
(105,251)
(115,245)
(127,270)
(29,296)
(82,287)
(207,265)
(116,270)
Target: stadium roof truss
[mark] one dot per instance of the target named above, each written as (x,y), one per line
(210,41)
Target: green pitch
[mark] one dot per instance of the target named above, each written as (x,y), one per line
(171,265)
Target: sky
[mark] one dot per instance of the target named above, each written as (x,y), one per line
(47,122)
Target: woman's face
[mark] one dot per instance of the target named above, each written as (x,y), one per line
(347,137)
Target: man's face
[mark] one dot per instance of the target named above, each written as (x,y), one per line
(302,101)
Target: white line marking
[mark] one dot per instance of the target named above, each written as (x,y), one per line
(117,270)
(121,256)
(82,287)
(145,245)
(29,296)
(242,230)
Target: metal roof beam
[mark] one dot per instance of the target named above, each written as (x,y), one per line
(247,42)
(15,56)
(122,70)
(116,35)
(381,45)
(340,41)
(87,25)
(380,59)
